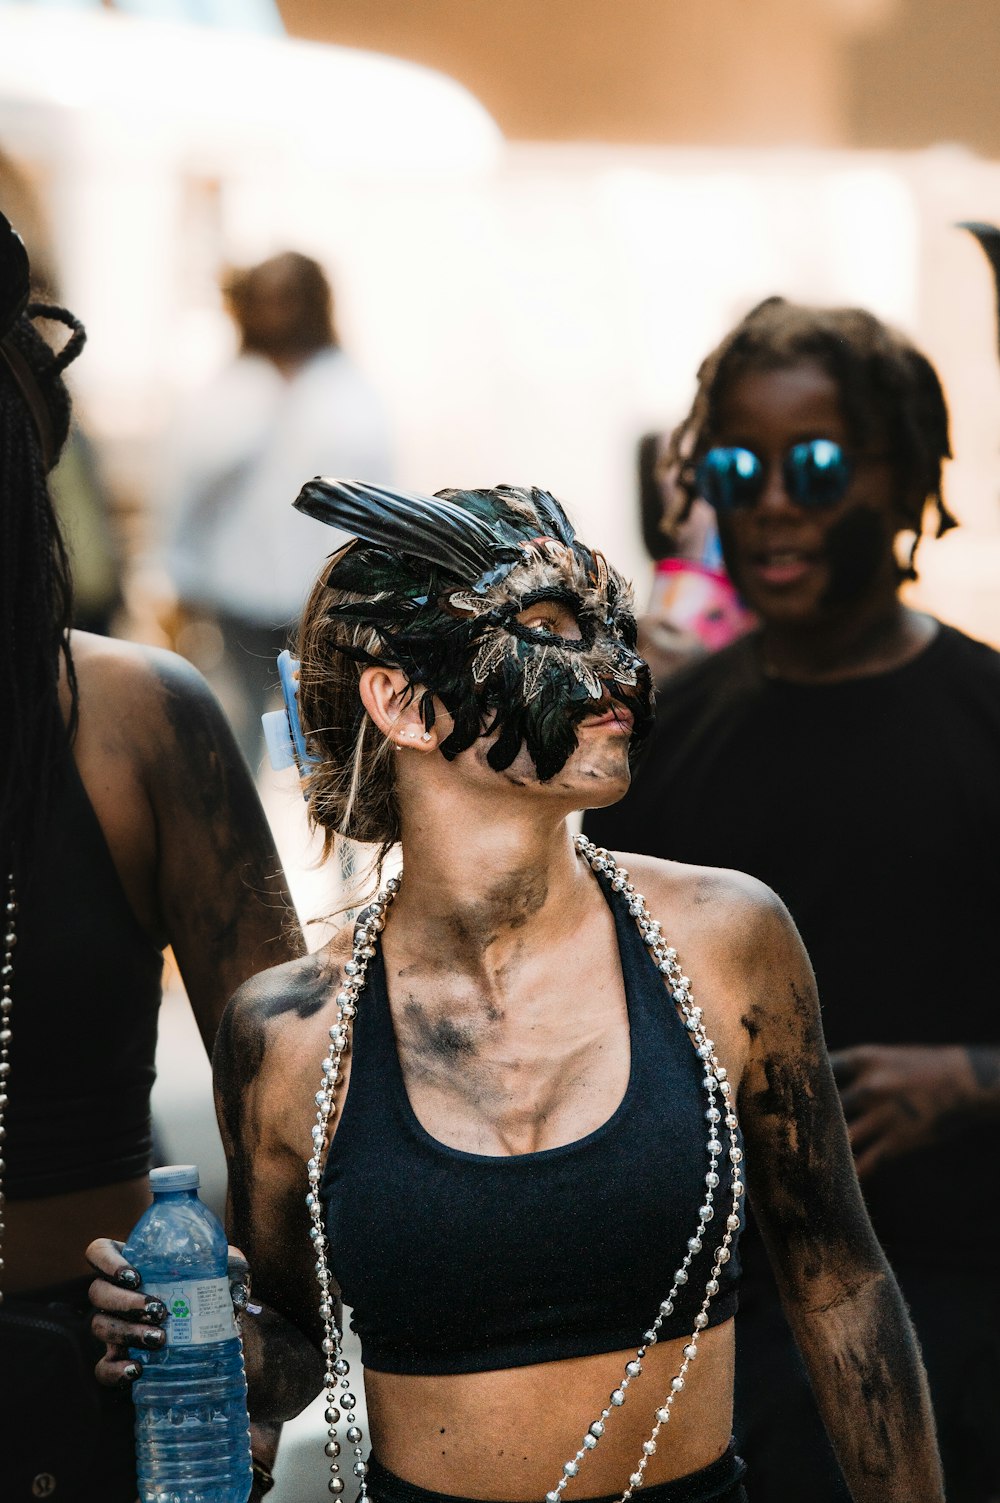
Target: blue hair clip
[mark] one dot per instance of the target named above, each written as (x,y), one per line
(286,743)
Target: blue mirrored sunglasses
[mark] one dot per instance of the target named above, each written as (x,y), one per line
(816,474)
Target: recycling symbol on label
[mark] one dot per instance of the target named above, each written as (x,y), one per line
(180,1309)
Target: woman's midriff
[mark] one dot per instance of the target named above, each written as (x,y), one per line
(505,1435)
(45,1239)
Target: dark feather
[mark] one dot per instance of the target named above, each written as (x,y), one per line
(427,527)
(554,520)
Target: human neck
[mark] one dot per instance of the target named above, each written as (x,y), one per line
(486,884)
(857,646)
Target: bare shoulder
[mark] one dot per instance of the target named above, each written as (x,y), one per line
(269,1005)
(268,1051)
(736,940)
(130,682)
(742,912)
(292,987)
(281,1011)
(181,815)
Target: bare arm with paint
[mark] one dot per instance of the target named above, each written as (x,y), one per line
(265,1072)
(220,894)
(837,1289)
(182,819)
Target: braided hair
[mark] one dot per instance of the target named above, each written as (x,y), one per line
(35,586)
(890,393)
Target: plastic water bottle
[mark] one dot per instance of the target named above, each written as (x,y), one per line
(192,1434)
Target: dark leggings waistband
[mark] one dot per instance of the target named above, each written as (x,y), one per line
(719,1482)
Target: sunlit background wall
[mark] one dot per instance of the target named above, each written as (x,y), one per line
(538,216)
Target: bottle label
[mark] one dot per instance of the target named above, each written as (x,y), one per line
(198,1310)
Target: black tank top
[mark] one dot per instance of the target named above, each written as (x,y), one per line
(456,1262)
(86,998)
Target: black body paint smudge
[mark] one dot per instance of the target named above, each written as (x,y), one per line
(442,1038)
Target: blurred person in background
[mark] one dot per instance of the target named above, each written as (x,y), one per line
(127,823)
(846,752)
(693,607)
(292,403)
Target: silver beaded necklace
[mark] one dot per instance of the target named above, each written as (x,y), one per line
(720,1108)
(6,1005)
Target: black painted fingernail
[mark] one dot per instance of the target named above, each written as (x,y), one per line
(130,1373)
(155,1310)
(154,1338)
(129,1279)
(240,1295)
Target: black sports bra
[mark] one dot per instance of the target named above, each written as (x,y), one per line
(456,1262)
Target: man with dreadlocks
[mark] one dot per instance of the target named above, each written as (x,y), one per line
(523,1167)
(846,753)
(127,822)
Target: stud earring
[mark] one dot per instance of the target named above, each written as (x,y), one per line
(426,736)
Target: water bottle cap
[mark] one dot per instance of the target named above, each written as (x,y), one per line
(174,1177)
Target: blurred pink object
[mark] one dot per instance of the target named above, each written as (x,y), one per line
(701,600)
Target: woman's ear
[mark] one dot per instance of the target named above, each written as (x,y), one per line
(394,707)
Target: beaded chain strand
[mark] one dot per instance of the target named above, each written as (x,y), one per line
(336,1381)
(716,1086)
(6,1006)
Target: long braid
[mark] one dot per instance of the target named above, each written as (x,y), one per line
(35,596)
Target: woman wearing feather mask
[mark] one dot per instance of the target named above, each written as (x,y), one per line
(508,1116)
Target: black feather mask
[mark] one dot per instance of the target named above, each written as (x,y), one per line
(441,582)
